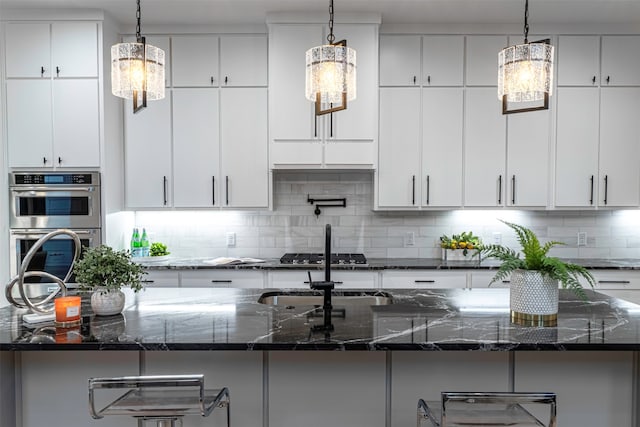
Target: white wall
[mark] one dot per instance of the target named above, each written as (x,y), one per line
(292,226)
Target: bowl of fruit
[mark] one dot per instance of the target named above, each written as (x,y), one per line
(460,247)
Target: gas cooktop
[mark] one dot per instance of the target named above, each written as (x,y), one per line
(318,258)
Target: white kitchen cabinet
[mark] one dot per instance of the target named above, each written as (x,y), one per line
(484,149)
(243,60)
(482,279)
(624,284)
(400,62)
(148,155)
(427,279)
(299,278)
(398,176)
(578,60)
(298,138)
(243,123)
(58,50)
(196,147)
(620,60)
(161,278)
(442,114)
(59,119)
(482,58)
(213,278)
(619,147)
(442,60)
(194,61)
(528,160)
(577,138)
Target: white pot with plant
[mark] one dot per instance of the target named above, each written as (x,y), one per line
(535,277)
(105,271)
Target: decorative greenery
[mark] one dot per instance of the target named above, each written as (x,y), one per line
(158,249)
(465,241)
(535,258)
(103,266)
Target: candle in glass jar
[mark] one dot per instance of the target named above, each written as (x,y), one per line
(67,311)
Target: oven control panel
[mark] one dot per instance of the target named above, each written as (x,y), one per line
(55,178)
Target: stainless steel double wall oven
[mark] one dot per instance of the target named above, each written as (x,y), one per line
(45,201)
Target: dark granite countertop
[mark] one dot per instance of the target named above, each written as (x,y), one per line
(161,319)
(383,264)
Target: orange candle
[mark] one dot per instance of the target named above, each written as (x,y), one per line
(67,311)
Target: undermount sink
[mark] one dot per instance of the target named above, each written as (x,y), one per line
(338,298)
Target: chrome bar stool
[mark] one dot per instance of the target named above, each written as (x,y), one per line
(487,409)
(164,399)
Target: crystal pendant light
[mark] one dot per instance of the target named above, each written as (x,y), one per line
(137,70)
(525,74)
(331,73)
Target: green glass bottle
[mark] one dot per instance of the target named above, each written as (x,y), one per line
(144,243)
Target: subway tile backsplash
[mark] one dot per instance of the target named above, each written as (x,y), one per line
(292,226)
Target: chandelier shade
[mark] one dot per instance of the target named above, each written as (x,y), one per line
(137,70)
(330,79)
(525,74)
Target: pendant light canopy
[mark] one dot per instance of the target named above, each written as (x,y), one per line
(331,73)
(137,70)
(525,74)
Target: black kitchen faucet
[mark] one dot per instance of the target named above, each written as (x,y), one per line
(327,285)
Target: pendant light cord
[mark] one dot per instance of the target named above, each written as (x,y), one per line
(331,38)
(526,21)
(138,16)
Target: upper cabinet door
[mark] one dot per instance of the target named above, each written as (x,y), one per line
(620,61)
(442,60)
(578,60)
(74,49)
(28,50)
(194,61)
(243,61)
(482,59)
(399,60)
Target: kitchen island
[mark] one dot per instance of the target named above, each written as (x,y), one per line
(284,368)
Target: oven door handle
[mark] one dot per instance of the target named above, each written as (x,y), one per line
(52,190)
(35,232)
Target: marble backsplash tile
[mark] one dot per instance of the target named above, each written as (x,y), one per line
(292,226)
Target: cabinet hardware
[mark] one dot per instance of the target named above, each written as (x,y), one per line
(499,189)
(413,191)
(44,160)
(164,189)
(513,190)
(41,71)
(59,160)
(226,79)
(331,125)
(315,126)
(221,281)
(593,80)
(591,197)
(226,189)
(429,79)
(335,283)
(57,71)
(506,281)
(606,188)
(424,281)
(428,189)
(213,190)
(414,79)
(608,79)
(148,281)
(212,80)
(625,282)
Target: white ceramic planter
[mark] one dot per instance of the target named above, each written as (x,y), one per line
(107,303)
(533,298)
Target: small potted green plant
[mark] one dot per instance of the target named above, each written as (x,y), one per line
(535,277)
(105,271)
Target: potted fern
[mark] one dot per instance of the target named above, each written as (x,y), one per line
(535,277)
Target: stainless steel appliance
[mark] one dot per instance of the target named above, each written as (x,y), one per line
(318,258)
(54,200)
(45,201)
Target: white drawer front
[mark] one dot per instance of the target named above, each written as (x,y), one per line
(161,278)
(222,279)
(343,279)
(424,279)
